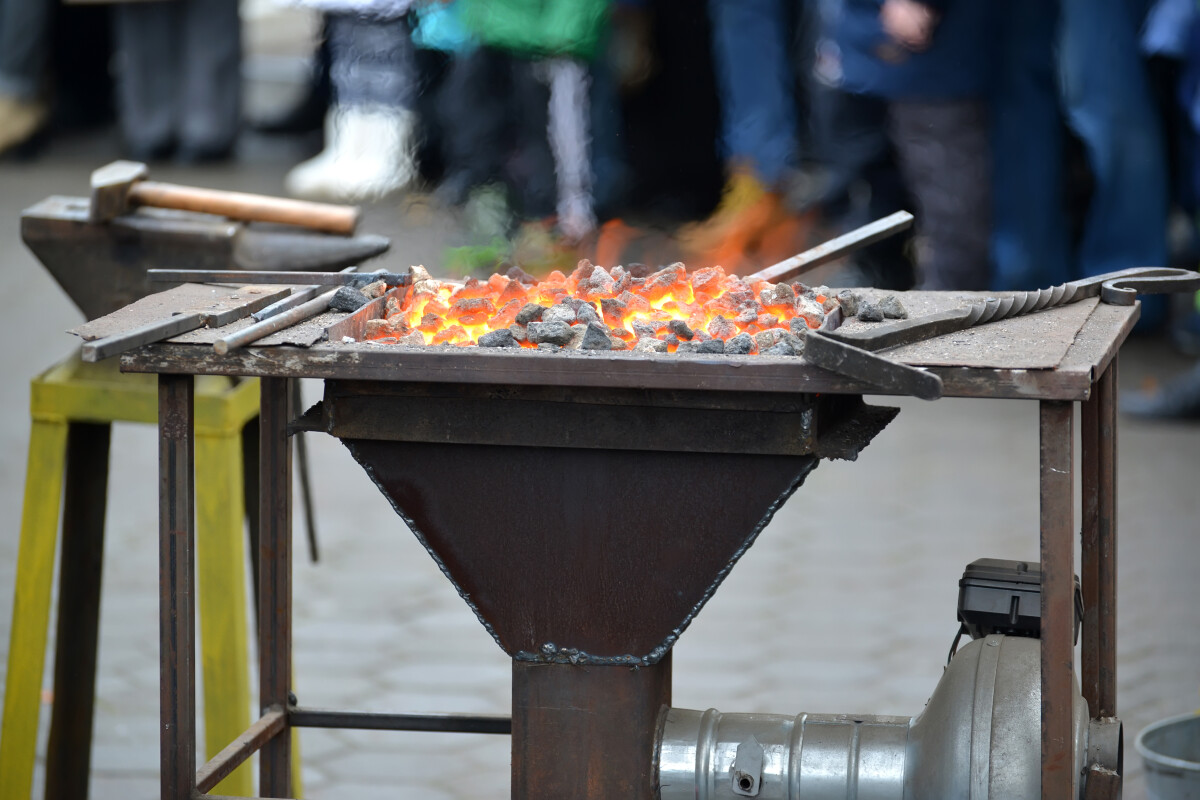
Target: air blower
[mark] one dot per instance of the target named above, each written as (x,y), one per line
(978,737)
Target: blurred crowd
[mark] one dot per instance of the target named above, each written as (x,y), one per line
(1036,140)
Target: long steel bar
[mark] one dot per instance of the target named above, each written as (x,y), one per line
(275,579)
(367,721)
(1099,551)
(68,754)
(247,744)
(1057,606)
(146,334)
(835,248)
(177,604)
(246,277)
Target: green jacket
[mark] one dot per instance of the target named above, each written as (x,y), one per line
(538,28)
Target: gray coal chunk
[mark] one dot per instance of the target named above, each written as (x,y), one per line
(849,302)
(690,347)
(795,342)
(573,303)
(891,307)
(348,298)
(798,327)
(558,333)
(869,312)
(711,347)
(500,338)
(740,345)
(650,345)
(518,332)
(681,329)
(577,332)
(515,273)
(560,313)
(587,313)
(530,312)
(780,349)
(595,337)
(639,270)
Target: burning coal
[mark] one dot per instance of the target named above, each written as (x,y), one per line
(671,310)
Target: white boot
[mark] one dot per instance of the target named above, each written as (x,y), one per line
(369,153)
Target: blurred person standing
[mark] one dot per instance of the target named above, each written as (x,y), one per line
(371,128)
(755,81)
(932,63)
(24,47)
(179,79)
(516,107)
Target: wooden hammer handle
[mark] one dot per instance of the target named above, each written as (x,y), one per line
(248,207)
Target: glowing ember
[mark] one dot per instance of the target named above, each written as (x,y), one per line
(679,310)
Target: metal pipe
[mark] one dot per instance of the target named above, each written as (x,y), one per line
(977,738)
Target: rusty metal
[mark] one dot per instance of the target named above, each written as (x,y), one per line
(582,590)
(68,754)
(369,721)
(834,249)
(275,580)
(1099,547)
(586,732)
(177,579)
(103,267)
(223,764)
(286,319)
(219,315)
(306,495)
(853,353)
(1057,556)
(319,278)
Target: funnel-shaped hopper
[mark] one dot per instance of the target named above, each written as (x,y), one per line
(586,555)
(600,542)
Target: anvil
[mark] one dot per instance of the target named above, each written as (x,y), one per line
(102,266)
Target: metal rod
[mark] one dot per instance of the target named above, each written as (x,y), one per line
(297,297)
(835,248)
(249,277)
(1058,588)
(68,753)
(177,607)
(278,322)
(1107,536)
(360,720)
(151,332)
(306,494)
(275,579)
(247,744)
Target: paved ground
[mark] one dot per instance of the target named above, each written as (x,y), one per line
(854,621)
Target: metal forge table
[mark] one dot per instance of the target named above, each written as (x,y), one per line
(583,718)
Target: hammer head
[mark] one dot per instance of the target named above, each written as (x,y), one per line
(110,189)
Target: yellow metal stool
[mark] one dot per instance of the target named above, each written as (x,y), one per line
(72,407)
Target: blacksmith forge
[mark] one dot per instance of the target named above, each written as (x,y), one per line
(587,505)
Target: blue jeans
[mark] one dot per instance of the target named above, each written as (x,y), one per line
(1107,97)
(1030,247)
(754,79)
(24,43)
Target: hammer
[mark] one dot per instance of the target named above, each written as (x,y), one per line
(122,185)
